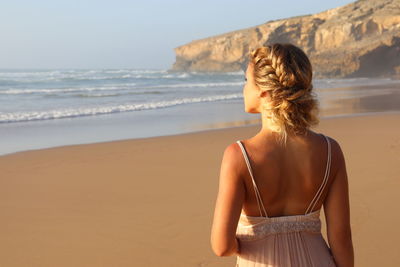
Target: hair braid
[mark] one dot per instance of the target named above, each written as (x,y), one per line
(285,72)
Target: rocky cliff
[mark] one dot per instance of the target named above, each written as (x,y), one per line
(361,39)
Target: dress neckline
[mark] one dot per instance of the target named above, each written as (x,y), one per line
(284,216)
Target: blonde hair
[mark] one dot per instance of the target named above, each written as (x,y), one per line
(285,72)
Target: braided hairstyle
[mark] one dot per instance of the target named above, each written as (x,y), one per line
(285,72)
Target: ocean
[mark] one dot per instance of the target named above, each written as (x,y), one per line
(47,108)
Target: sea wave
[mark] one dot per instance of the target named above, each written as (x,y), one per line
(126,86)
(44,76)
(183,85)
(23,77)
(66,90)
(91,111)
(11,73)
(100,95)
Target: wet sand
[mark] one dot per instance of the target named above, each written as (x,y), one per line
(149,202)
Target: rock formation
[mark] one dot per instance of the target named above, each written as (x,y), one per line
(361,39)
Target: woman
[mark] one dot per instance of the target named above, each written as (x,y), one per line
(273,185)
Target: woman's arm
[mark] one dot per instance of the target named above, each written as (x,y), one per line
(231,194)
(337,214)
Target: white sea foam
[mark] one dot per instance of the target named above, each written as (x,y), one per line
(236,73)
(89,111)
(190,85)
(176,75)
(124,86)
(62,75)
(64,90)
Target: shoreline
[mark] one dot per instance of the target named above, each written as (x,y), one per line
(228,125)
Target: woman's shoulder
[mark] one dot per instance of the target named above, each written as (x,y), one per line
(335,146)
(233,158)
(232,152)
(337,155)
(333,142)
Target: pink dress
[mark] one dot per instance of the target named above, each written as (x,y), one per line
(293,240)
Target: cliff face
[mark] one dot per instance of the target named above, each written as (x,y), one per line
(361,39)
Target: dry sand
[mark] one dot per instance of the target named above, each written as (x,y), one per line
(149,202)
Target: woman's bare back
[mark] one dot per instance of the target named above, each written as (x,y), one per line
(287,177)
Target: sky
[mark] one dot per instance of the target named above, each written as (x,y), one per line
(50,34)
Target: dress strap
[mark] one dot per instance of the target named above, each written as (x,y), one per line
(258,196)
(324,182)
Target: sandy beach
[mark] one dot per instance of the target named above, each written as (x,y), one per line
(149,202)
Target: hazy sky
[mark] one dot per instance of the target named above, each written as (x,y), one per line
(126,34)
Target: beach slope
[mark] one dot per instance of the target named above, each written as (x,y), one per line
(149,202)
